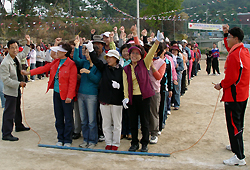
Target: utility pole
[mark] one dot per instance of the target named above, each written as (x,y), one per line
(138,19)
(174,28)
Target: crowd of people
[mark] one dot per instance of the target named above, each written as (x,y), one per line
(116,85)
(109,87)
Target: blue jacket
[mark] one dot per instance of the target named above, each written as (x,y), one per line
(89,82)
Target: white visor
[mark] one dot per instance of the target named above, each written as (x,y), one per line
(58,48)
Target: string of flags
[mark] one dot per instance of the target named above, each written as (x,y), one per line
(118,10)
(39,25)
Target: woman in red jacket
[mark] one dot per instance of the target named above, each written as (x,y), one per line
(63,79)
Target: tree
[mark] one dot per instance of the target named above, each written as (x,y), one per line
(157,7)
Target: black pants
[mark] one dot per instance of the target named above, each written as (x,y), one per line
(194,69)
(39,64)
(140,107)
(99,121)
(215,65)
(163,102)
(235,112)
(209,64)
(12,113)
(125,122)
(183,81)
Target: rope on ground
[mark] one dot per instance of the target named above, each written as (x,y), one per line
(25,118)
(167,154)
(205,130)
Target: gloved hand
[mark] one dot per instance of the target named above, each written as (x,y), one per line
(115,85)
(125,102)
(160,36)
(89,46)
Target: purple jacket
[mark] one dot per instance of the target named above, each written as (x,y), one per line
(143,79)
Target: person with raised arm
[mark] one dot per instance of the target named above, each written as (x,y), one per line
(110,95)
(137,92)
(87,97)
(235,87)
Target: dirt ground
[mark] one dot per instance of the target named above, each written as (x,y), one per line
(183,128)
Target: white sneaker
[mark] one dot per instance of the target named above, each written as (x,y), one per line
(234,161)
(91,145)
(67,144)
(154,140)
(159,133)
(228,147)
(168,112)
(59,144)
(83,145)
(101,138)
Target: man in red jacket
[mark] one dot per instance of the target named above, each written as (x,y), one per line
(235,91)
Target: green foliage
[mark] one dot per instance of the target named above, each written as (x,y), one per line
(157,7)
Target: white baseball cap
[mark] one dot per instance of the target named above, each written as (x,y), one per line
(58,48)
(106,34)
(112,53)
(184,41)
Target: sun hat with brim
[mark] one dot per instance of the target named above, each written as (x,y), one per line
(58,48)
(112,53)
(98,38)
(175,47)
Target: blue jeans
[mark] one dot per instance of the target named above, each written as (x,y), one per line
(64,119)
(88,108)
(32,66)
(177,91)
(1,94)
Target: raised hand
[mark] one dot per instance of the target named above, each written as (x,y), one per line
(27,37)
(115,29)
(111,35)
(144,32)
(122,29)
(92,31)
(57,41)
(225,28)
(77,41)
(152,35)
(133,29)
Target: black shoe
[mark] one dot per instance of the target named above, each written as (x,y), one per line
(22,129)
(144,148)
(10,138)
(133,147)
(76,135)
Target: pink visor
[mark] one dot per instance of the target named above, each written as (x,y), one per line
(133,47)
